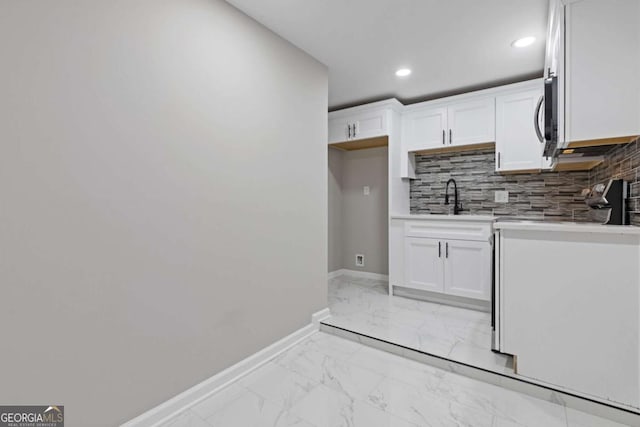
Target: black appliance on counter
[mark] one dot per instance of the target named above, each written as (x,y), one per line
(608,202)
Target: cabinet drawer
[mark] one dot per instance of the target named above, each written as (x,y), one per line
(448,230)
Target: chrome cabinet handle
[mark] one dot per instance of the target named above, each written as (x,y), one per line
(498,160)
(439,249)
(443,143)
(536,120)
(446,250)
(350,133)
(450,137)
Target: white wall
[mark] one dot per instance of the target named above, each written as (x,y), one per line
(163,175)
(358,224)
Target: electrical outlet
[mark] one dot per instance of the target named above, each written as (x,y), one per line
(359,260)
(366,190)
(502,196)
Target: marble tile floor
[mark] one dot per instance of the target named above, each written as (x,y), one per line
(363,306)
(327,381)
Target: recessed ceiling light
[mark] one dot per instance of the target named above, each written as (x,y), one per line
(524,42)
(403,72)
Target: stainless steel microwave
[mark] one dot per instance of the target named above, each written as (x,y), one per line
(550,117)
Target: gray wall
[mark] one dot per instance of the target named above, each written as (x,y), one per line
(362,226)
(163,174)
(551,195)
(335,209)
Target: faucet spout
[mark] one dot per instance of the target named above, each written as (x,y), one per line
(457,207)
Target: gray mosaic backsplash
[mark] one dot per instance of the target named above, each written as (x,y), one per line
(551,195)
(623,162)
(547,195)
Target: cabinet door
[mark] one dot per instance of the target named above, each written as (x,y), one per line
(554,46)
(424,129)
(467,271)
(602,61)
(338,130)
(370,124)
(471,122)
(423,264)
(554,64)
(517,146)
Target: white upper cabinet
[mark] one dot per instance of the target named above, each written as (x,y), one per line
(360,125)
(424,129)
(471,122)
(555,39)
(443,125)
(595,51)
(370,125)
(339,130)
(517,145)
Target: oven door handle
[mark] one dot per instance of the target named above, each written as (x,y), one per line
(536,120)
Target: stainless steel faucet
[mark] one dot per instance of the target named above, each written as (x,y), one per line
(457,208)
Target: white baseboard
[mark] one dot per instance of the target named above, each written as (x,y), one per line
(203,390)
(335,273)
(442,298)
(319,316)
(356,273)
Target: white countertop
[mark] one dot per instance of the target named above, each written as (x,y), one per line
(506,224)
(435,217)
(577,227)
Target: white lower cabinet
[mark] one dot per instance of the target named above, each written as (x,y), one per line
(453,267)
(452,259)
(424,268)
(467,266)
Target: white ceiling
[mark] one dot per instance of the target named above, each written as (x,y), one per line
(451,45)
